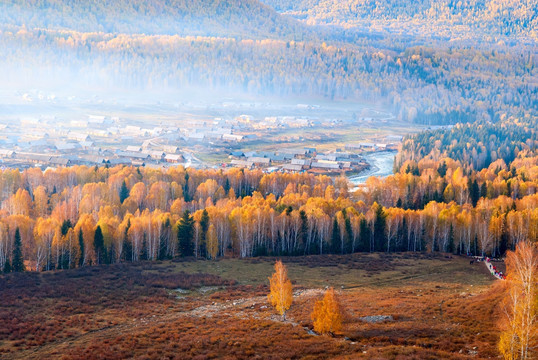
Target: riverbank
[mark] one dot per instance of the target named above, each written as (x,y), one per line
(381,165)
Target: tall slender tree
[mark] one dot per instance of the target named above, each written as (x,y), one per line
(186,195)
(82,253)
(99,246)
(204,225)
(18,261)
(212,242)
(7,266)
(185,234)
(127,248)
(335,237)
(124,192)
(379,228)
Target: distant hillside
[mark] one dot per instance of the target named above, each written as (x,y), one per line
(436,17)
(182,17)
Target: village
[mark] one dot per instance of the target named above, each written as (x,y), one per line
(97,140)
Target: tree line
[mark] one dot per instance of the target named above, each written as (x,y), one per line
(82,215)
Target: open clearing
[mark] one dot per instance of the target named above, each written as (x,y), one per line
(439,306)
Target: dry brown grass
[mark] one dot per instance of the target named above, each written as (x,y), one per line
(442,308)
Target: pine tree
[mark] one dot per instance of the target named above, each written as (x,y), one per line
(204,225)
(484,190)
(364,235)
(186,195)
(124,192)
(379,228)
(335,237)
(227,186)
(303,230)
(185,234)
(474,192)
(127,247)
(81,247)
(349,235)
(505,238)
(442,169)
(18,261)
(66,225)
(281,295)
(99,246)
(7,267)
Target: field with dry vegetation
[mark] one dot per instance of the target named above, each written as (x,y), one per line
(404,306)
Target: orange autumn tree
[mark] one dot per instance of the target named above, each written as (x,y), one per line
(281,295)
(519,339)
(327,315)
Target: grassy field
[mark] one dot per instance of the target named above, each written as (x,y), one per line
(357,270)
(440,306)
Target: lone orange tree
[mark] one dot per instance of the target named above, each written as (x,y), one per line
(327,315)
(281,295)
(519,339)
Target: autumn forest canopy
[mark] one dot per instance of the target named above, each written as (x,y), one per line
(452,196)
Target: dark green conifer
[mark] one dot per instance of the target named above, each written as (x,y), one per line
(124,192)
(185,234)
(204,225)
(99,246)
(7,267)
(18,261)
(81,247)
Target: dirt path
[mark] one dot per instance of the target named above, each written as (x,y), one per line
(489,265)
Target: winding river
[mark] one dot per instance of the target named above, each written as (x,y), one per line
(381,165)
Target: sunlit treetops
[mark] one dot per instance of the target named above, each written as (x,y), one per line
(74,217)
(470,18)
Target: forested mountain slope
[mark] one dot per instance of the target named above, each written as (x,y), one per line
(439,17)
(181,17)
(246,47)
(432,86)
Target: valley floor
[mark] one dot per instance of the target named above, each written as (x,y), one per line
(435,306)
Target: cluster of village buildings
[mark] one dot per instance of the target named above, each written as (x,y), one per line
(101,140)
(308,159)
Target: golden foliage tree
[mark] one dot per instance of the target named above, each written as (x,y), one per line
(281,295)
(519,339)
(212,242)
(327,314)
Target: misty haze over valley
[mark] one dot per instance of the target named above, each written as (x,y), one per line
(268,179)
